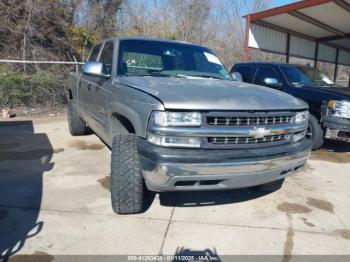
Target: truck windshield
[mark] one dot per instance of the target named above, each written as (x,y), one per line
(166,59)
(305,75)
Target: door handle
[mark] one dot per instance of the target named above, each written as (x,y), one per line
(89,87)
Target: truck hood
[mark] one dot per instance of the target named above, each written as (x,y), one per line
(212,94)
(332,92)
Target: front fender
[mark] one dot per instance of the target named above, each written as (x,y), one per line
(135,106)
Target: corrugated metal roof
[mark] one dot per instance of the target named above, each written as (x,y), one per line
(316,28)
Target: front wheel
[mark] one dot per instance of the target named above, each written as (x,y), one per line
(315,133)
(77,126)
(127,185)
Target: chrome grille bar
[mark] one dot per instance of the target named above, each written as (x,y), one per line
(247,121)
(247,140)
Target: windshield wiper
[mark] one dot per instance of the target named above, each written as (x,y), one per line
(150,74)
(298,84)
(168,75)
(158,74)
(207,76)
(323,84)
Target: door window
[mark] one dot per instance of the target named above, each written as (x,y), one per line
(94,53)
(107,57)
(265,72)
(246,71)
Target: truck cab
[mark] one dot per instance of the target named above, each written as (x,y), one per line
(329,104)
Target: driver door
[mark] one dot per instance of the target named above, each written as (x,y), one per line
(99,92)
(84,88)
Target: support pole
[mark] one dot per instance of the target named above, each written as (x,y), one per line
(336,65)
(246,39)
(316,55)
(288,49)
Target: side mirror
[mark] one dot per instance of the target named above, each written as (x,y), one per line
(272,82)
(94,69)
(236,76)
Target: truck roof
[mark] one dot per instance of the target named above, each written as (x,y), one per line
(143,38)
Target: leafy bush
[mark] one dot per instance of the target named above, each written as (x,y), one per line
(41,88)
(81,39)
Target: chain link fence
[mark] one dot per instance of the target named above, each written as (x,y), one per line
(33,88)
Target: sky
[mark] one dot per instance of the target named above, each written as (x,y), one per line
(276,3)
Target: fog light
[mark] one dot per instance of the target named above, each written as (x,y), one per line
(172,141)
(331,133)
(299,136)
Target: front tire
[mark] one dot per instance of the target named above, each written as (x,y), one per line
(315,133)
(77,126)
(127,185)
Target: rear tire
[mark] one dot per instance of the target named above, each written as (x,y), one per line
(315,133)
(77,126)
(270,187)
(127,184)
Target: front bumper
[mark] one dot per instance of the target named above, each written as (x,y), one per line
(337,128)
(167,169)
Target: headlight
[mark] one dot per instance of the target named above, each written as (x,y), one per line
(302,117)
(160,118)
(339,108)
(171,141)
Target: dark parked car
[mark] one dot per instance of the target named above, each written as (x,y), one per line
(329,104)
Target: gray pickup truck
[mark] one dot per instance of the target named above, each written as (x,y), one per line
(175,120)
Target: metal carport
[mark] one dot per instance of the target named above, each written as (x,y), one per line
(312,29)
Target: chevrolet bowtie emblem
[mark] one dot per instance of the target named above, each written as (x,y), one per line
(260,132)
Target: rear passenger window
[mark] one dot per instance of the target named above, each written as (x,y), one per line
(94,53)
(246,71)
(265,72)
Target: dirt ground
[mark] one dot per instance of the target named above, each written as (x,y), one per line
(55,200)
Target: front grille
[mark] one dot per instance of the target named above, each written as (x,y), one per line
(246,140)
(239,126)
(248,121)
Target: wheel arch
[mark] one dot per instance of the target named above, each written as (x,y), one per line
(70,94)
(122,123)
